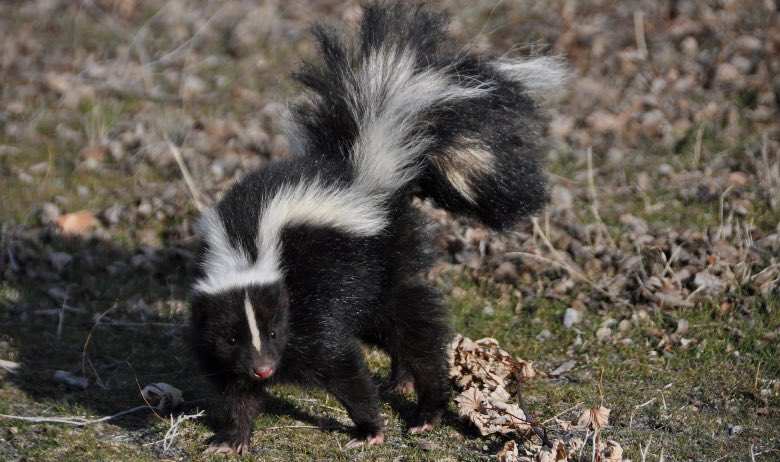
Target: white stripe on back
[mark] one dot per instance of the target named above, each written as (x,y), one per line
(390,95)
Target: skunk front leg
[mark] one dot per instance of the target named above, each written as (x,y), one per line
(351,383)
(242,403)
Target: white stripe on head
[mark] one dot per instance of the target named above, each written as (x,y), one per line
(252,321)
(226,267)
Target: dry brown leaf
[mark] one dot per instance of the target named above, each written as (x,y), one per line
(508,453)
(613,452)
(77,223)
(557,453)
(595,418)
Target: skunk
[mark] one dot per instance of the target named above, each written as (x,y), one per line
(313,255)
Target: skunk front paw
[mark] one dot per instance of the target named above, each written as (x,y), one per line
(371,440)
(422,428)
(228,446)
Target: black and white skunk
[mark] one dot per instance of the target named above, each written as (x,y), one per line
(313,255)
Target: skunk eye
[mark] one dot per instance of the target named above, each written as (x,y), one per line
(272,334)
(232,341)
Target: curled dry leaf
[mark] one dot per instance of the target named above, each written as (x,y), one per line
(77,223)
(557,453)
(162,395)
(613,452)
(485,374)
(508,453)
(595,418)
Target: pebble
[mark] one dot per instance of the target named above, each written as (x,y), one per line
(682,327)
(544,335)
(571,317)
(603,334)
(506,272)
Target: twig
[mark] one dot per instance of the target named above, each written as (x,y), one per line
(317,403)
(89,337)
(594,200)
(173,431)
(643,451)
(639,33)
(288,426)
(10,366)
(572,272)
(562,412)
(61,317)
(194,191)
(636,408)
(698,147)
(77,421)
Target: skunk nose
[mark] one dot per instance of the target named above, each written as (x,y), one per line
(264,372)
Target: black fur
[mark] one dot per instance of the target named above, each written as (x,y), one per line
(340,289)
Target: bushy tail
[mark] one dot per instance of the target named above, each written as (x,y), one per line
(408,110)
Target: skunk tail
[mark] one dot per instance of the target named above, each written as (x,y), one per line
(407,111)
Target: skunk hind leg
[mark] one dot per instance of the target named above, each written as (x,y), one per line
(421,335)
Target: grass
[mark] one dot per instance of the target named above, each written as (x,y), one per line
(717,398)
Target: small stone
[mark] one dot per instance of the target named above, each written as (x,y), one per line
(488,310)
(544,335)
(114,213)
(727,72)
(564,368)
(506,272)
(738,179)
(708,282)
(60,260)
(49,212)
(145,208)
(603,334)
(571,317)
(624,326)
(94,153)
(72,380)
(665,169)
(682,327)
(192,86)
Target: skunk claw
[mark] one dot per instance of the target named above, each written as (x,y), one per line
(425,427)
(226,448)
(372,440)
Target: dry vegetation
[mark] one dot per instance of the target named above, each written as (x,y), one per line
(646,295)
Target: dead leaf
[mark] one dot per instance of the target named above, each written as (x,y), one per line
(508,453)
(77,223)
(613,452)
(594,418)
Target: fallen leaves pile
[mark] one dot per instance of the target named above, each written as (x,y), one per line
(486,377)
(488,380)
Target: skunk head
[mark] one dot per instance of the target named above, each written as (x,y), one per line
(242,331)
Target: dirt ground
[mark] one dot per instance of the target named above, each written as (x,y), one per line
(649,286)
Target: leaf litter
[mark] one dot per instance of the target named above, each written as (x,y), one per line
(488,380)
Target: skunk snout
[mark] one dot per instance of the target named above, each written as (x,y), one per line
(263,372)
